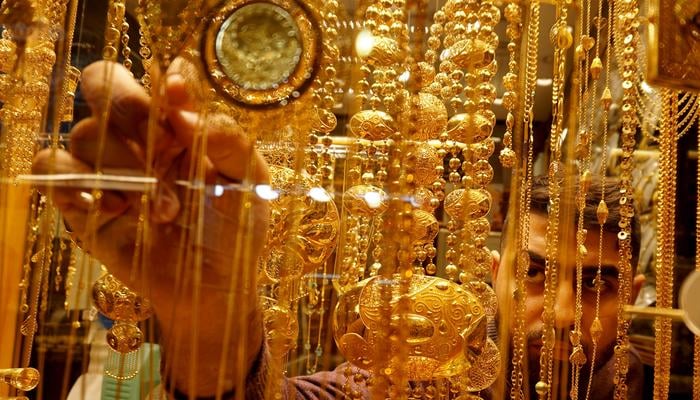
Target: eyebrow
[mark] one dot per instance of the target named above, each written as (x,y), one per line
(537,258)
(605,270)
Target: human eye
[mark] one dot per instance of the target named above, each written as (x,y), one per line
(607,284)
(535,274)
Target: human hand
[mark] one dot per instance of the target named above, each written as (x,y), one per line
(108,228)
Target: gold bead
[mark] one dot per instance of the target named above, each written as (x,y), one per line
(575,338)
(510,121)
(513,13)
(124,337)
(596,68)
(374,125)
(510,100)
(470,54)
(430,116)
(507,157)
(582,250)
(365,200)
(541,388)
(587,42)
(24,379)
(469,127)
(385,53)
(510,81)
(596,329)
(564,40)
(602,212)
(578,357)
(606,98)
(586,181)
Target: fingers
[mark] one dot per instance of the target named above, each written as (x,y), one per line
(50,161)
(228,147)
(75,204)
(107,84)
(183,84)
(176,89)
(117,153)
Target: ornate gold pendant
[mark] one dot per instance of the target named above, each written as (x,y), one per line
(262,53)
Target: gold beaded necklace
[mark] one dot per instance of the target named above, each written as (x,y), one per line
(513,14)
(625,42)
(602,211)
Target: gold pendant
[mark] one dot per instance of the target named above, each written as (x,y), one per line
(262,54)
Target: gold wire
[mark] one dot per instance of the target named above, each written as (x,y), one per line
(665,251)
(552,249)
(603,168)
(624,13)
(518,383)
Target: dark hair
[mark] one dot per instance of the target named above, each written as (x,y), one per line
(539,203)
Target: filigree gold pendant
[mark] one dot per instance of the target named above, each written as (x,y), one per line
(262,53)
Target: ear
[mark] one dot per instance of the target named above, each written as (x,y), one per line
(637,283)
(495,263)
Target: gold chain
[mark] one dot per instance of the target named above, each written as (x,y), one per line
(583,153)
(523,230)
(513,14)
(625,14)
(665,250)
(561,39)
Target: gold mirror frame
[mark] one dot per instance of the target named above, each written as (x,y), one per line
(289,89)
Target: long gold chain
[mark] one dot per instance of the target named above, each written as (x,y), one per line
(625,14)
(602,211)
(583,152)
(665,250)
(513,14)
(523,230)
(561,39)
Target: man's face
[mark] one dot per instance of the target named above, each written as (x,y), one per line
(565,297)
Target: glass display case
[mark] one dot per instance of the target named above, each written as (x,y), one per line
(363,199)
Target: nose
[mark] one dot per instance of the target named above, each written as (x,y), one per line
(564,306)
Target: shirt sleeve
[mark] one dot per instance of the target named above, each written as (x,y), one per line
(325,385)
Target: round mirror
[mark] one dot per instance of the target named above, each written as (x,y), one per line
(689,301)
(259,46)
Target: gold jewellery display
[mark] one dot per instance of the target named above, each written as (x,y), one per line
(348,225)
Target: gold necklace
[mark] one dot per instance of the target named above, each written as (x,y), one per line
(562,40)
(602,211)
(624,17)
(513,14)
(665,251)
(518,383)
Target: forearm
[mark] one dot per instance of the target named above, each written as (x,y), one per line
(201,356)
